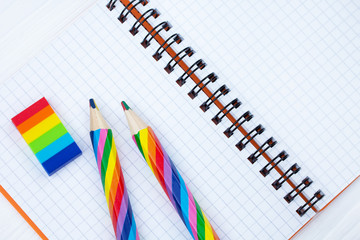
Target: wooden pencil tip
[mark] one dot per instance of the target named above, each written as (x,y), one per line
(92,103)
(97,121)
(125,106)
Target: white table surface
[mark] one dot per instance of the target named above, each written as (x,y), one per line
(25,26)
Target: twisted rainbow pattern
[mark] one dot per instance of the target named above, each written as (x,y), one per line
(174,185)
(113,184)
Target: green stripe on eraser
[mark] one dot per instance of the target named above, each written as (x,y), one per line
(48,138)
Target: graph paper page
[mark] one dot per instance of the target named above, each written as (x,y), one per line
(248,47)
(296,67)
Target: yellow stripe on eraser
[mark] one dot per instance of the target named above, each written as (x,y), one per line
(41,128)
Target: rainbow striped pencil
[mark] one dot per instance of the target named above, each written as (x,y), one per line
(111,176)
(169,178)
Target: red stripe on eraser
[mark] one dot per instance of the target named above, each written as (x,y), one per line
(28,112)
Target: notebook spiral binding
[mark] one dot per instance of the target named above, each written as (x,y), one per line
(131,7)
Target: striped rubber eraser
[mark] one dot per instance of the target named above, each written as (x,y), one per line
(47,137)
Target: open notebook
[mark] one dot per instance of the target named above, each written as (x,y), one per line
(293,65)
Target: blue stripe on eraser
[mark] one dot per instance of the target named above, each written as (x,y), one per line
(61,158)
(55,147)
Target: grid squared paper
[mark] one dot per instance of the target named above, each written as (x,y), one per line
(294,66)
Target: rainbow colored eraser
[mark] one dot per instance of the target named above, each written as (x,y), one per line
(47,137)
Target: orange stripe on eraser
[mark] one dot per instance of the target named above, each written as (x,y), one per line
(35,119)
(22,213)
(30,111)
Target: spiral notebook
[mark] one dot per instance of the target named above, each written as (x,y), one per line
(261,121)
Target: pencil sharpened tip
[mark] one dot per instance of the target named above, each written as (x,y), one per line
(92,103)
(125,106)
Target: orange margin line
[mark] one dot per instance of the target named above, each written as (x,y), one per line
(22,213)
(303,226)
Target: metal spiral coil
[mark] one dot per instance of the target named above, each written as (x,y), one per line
(177,58)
